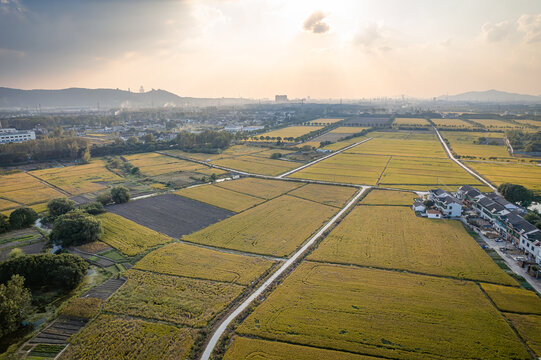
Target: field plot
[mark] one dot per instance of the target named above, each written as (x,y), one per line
(251,349)
(152,164)
(425,173)
(78,179)
(220,197)
(372,121)
(265,189)
(384,313)
(127,236)
(276,227)
(410,123)
(335,135)
(529,327)
(348,130)
(401,240)
(258,165)
(346,168)
(513,300)
(535,123)
(498,125)
(171,298)
(25,189)
(291,131)
(6,205)
(453,124)
(197,262)
(235,150)
(114,337)
(343,143)
(325,194)
(170,214)
(324,121)
(522,174)
(465,144)
(385,197)
(400,147)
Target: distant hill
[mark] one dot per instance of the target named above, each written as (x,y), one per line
(492,96)
(75,98)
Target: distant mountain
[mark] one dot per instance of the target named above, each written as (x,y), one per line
(491,96)
(80,98)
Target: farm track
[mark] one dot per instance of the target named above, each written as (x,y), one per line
(223,324)
(49,184)
(234,252)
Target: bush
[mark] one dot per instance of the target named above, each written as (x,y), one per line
(46,271)
(105,199)
(120,194)
(15,253)
(4,224)
(276,155)
(516,194)
(93,208)
(22,218)
(14,304)
(59,206)
(75,228)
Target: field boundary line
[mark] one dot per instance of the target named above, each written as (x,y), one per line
(385,168)
(63,192)
(322,158)
(244,305)
(231,251)
(450,155)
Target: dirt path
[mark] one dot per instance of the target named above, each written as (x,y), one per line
(241,307)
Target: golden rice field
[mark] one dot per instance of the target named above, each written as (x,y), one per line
(220,197)
(522,174)
(349,129)
(401,240)
(269,152)
(343,143)
(325,194)
(198,262)
(325,121)
(384,313)
(535,123)
(425,171)
(175,299)
(493,124)
(291,131)
(115,337)
(514,300)
(529,327)
(452,123)
(257,165)
(262,188)
(82,307)
(386,197)
(127,236)
(235,150)
(346,168)
(411,122)
(78,179)
(25,189)
(277,227)
(242,348)
(152,164)
(6,205)
(462,144)
(401,147)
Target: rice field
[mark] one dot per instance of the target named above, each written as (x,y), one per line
(383,313)
(174,299)
(198,262)
(257,165)
(343,143)
(7,205)
(262,188)
(453,124)
(401,147)
(25,189)
(535,123)
(277,227)
(346,168)
(152,164)
(349,129)
(220,197)
(514,300)
(78,179)
(235,150)
(290,131)
(522,174)
(529,327)
(115,337)
(325,194)
(410,122)
(127,236)
(462,144)
(498,125)
(401,240)
(325,121)
(386,197)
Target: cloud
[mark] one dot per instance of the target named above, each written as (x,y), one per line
(314,23)
(373,37)
(498,32)
(12,7)
(530,26)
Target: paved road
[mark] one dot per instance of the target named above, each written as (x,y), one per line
(225,323)
(450,155)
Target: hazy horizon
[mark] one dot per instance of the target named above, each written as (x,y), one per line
(256,49)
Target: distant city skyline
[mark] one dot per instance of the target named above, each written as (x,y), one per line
(258,49)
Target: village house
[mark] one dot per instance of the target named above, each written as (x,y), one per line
(448,205)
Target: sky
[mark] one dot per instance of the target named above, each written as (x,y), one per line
(346,49)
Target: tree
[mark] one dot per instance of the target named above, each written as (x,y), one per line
(15,253)
(516,194)
(4,224)
(22,218)
(60,206)
(532,217)
(85,158)
(93,208)
(428,203)
(75,228)
(105,198)
(120,194)
(14,304)
(276,155)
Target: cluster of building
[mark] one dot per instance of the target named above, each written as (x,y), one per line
(10,135)
(500,218)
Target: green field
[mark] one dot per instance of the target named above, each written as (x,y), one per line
(197,262)
(265,189)
(276,227)
(522,174)
(398,239)
(217,196)
(175,299)
(325,194)
(127,236)
(384,313)
(514,300)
